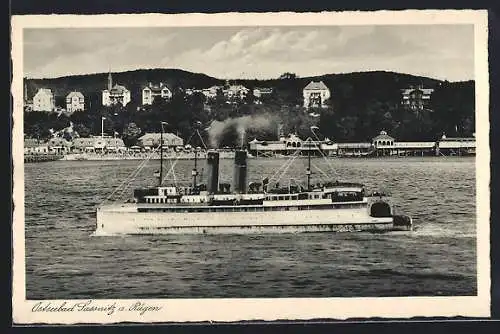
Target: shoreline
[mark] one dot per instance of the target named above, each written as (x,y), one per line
(83,157)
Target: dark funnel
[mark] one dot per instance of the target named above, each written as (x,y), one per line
(213,172)
(240,172)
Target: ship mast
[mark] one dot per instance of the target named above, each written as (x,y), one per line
(308,171)
(314,127)
(195,171)
(161,155)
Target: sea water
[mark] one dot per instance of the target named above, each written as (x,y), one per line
(64,260)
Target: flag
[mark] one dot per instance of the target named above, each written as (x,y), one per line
(103,118)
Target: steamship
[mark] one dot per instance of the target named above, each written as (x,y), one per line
(256,207)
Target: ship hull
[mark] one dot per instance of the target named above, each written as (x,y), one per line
(125,219)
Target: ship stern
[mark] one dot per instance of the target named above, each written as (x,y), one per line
(402,223)
(99,223)
(115,219)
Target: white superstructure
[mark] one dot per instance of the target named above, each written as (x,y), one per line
(248,208)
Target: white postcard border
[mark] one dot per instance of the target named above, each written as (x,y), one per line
(183,310)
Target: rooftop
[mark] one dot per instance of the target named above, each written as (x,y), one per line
(156,136)
(31,142)
(156,87)
(75,93)
(316,85)
(237,87)
(264,90)
(426,91)
(44,90)
(118,89)
(458,139)
(383,135)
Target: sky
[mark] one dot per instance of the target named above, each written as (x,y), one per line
(443,52)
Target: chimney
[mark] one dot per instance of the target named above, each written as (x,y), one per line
(212,172)
(240,172)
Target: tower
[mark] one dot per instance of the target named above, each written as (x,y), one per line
(110,81)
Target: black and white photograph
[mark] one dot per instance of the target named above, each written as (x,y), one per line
(250,166)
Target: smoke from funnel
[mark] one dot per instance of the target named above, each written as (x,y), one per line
(244,126)
(241,133)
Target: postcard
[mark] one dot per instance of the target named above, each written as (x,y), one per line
(250,166)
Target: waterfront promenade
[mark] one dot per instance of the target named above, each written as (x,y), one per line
(143,156)
(30,158)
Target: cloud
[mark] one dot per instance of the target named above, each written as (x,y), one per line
(79,51)
(256,52)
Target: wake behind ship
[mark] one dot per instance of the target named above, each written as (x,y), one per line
(256,207)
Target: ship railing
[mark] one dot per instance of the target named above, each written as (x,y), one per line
(125,184)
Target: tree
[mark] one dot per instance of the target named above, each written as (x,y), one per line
(220,99)
(82,130)
(361,105)
(288,76)
(197,99)
(249,98)
(347,126)
(131,134)
(67,136)
(328,123)
(452,104)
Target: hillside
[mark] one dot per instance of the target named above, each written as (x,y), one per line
(94,83)
(361,104)
(375,83)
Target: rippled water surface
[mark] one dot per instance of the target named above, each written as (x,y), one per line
(64,260)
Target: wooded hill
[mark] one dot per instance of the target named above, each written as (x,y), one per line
(376,83)
(361,105)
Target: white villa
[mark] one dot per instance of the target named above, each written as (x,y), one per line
(75,101)
(236,91)
(151,91)
(315,95)
(416,98)
(211,93)
(258,92)
(44,100)
(115,94)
